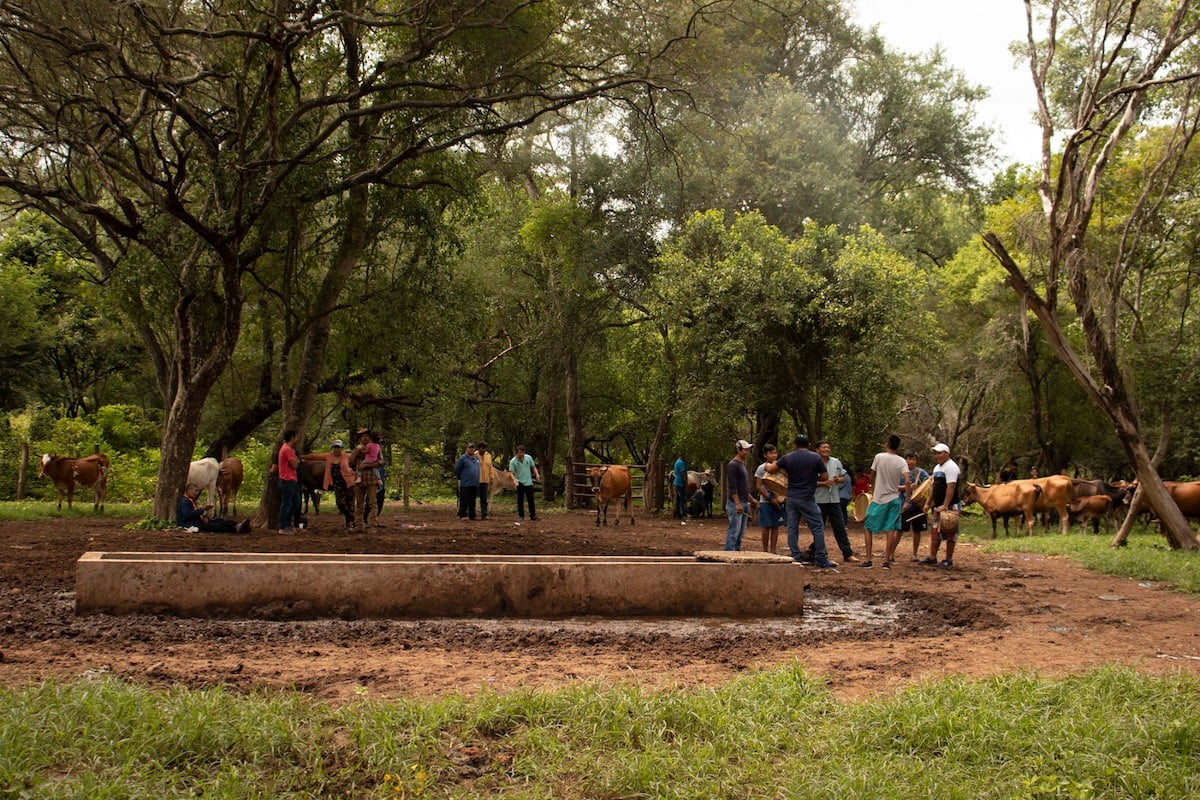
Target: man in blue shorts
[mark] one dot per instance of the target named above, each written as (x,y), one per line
(804,468)
(883,515)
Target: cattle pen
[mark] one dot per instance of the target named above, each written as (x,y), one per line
(579,484)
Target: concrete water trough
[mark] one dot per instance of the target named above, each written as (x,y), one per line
(349,586)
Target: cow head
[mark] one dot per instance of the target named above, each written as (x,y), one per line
(596,473)
(46,459)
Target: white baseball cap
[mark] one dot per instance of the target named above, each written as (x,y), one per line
(940,447)
(338,443)
(742,444)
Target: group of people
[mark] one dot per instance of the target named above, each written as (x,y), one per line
(356,479)
(818,491)
(475,474)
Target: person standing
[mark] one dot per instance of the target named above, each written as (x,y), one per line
(830,502)
(289,482)
(845,495)
(679,484)
(487,473)
(339,477)
(737,496)
(944,498)
(367,458)
(466,472)
(883,515)
(525,470)
(804,468)
(912,515)
(770,507)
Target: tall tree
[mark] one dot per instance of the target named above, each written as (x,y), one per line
(1100,68)
(179,142)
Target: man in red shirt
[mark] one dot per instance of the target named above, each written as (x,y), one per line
(289,484)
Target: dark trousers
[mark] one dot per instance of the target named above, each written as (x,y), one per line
(832,512)
(524,492)
(466,501)
(345,500)
(680,502)
(483,500)
(289,503)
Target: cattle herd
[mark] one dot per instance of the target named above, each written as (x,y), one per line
(1071,500)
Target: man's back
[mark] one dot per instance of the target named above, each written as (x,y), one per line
(803,468)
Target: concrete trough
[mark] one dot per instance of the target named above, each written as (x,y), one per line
(349,586)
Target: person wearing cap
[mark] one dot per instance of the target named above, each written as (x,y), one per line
(466,472)
(339,476)
(737,496)
(883,514)
(487,473)
(943,498)
(366,459)
(804,468)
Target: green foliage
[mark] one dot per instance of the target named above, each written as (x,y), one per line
(1109,733)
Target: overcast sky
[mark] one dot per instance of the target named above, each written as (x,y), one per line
(975,35)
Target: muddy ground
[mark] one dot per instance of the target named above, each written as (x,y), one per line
(869,631)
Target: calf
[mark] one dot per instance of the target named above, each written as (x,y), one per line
(708,483)
(1016,497)
(311,475)
(67,473)
(1092,508)
(203,473)
(608,483)
(1055,496)
(229,482)
(501,479)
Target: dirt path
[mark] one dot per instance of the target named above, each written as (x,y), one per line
(989,614)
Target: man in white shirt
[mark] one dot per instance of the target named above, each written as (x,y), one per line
(943,498)
(883,515)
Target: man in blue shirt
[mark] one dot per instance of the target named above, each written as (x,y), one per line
(804,469)
(680,485)
(466,470)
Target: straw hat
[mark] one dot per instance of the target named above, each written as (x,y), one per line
(860,506)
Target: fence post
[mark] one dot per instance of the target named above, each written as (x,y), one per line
(22,470)
(404,479)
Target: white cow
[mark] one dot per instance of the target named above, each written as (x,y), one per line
(204,473)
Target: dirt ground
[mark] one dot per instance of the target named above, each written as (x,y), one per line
(990,613)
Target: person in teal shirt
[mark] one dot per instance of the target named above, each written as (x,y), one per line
(526,472)
(680,485)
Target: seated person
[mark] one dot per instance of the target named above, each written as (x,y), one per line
(189,514)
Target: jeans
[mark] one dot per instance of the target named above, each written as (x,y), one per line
(680,502)
(466,501)
(737,526)
(289,502)
(832,512)
(812,515)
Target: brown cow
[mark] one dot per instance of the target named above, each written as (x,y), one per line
(229,481)
(608,483)
(501,479)
(1055,496)
(1015,497)
(1092,508)
(1185,495)
(67,473)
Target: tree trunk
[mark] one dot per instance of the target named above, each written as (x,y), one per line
(23,470)
(1130,518)
(178,441)
(652,492)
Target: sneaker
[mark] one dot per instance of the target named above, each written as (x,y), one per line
(888,564)
(535,519)
(826,564)
(945,563)
(866,565)
(929,560)
(801,562)
(287,531)
(851,559)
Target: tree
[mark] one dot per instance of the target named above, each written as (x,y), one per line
(1101,68)
(182,143)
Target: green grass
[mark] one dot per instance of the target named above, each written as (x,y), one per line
(1146,557)
(1111,733)
(28,510)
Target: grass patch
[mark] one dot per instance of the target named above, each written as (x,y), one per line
(1110,733)
(1146,557)
(30,510)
